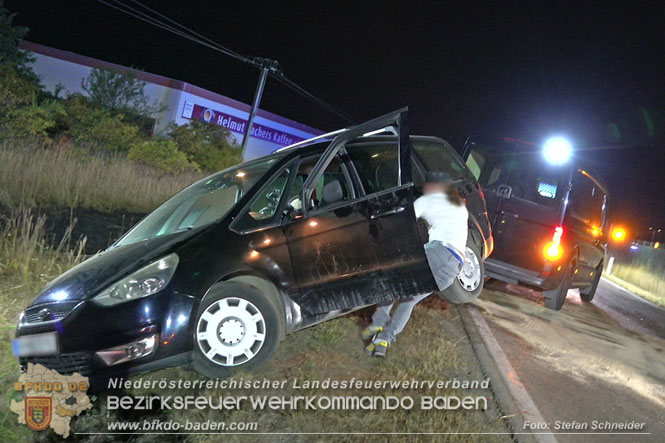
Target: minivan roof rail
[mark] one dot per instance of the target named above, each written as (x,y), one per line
(311,140)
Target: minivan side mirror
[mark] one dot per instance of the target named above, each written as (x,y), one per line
(332,192)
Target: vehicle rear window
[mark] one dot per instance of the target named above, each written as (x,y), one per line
(526,172)
(376,164)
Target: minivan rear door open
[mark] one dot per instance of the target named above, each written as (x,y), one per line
(366,250)
(524,196)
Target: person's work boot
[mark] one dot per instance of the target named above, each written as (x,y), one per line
(377,348)
(369,332)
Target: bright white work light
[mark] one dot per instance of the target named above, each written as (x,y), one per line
(557,150)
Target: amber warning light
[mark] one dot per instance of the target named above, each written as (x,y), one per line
(619,234)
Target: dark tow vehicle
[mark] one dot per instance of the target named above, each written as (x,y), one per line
(549,219)
(217,275)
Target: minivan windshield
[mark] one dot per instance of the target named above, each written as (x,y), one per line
(204,202)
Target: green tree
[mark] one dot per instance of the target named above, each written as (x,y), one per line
(119,93)
(209,146)
(10,53)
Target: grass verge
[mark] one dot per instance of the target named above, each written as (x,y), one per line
(35,176)
(656,299)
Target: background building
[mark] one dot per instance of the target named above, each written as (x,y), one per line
(184,102)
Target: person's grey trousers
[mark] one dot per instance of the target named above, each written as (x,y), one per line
(445,267)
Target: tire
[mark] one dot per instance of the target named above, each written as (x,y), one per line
(469,283)
(587,294)
(555,298)
(237,327)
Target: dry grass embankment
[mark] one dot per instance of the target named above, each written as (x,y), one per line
(640,281)
(641,271)
(32,176)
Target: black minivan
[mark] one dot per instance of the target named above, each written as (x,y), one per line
(218,274)
(549,218)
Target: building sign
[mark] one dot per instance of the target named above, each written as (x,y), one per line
(237,124)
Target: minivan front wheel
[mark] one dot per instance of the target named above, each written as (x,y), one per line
(469,282)
(236,327)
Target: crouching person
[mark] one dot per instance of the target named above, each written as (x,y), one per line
(444,211)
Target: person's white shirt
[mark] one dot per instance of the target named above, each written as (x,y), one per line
(448,223)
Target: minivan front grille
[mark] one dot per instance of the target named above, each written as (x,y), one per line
(64,364)
(48,312)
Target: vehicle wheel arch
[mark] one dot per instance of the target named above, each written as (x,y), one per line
(477,238)
(476,232)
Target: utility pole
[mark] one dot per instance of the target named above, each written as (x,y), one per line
(265,65)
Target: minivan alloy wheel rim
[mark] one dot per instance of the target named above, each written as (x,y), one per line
(469,277)
(231,331)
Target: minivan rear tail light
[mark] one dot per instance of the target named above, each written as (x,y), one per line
(553,250)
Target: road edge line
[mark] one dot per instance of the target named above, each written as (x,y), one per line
(511,395)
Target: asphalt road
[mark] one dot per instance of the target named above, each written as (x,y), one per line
(602,362)
(631,311)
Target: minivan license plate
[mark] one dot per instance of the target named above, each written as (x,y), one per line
(36,344)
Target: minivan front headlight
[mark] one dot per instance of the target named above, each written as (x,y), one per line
(146,281)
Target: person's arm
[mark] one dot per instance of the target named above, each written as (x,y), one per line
(419,206)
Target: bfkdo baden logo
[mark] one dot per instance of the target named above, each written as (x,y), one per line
(51,399)
(38,412)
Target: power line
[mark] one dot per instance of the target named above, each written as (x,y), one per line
(272,65)
(146,18)
(226,50)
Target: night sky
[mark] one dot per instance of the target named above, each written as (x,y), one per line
(594,72)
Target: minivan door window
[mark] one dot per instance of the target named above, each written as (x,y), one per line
(587,200)
(335,172)
(587,210)
(437,157)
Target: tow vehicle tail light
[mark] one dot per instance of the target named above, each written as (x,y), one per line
(553,250)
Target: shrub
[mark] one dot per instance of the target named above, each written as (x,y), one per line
(34,121)
(162,154)
(209,146)
(97,128)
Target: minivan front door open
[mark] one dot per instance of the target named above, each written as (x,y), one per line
(524,198)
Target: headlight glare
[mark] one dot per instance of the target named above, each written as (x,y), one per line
(146,281)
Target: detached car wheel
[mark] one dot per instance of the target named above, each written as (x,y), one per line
(555,298)
(469,283)
(237,327)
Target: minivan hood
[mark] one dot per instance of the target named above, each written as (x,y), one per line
(87,279)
